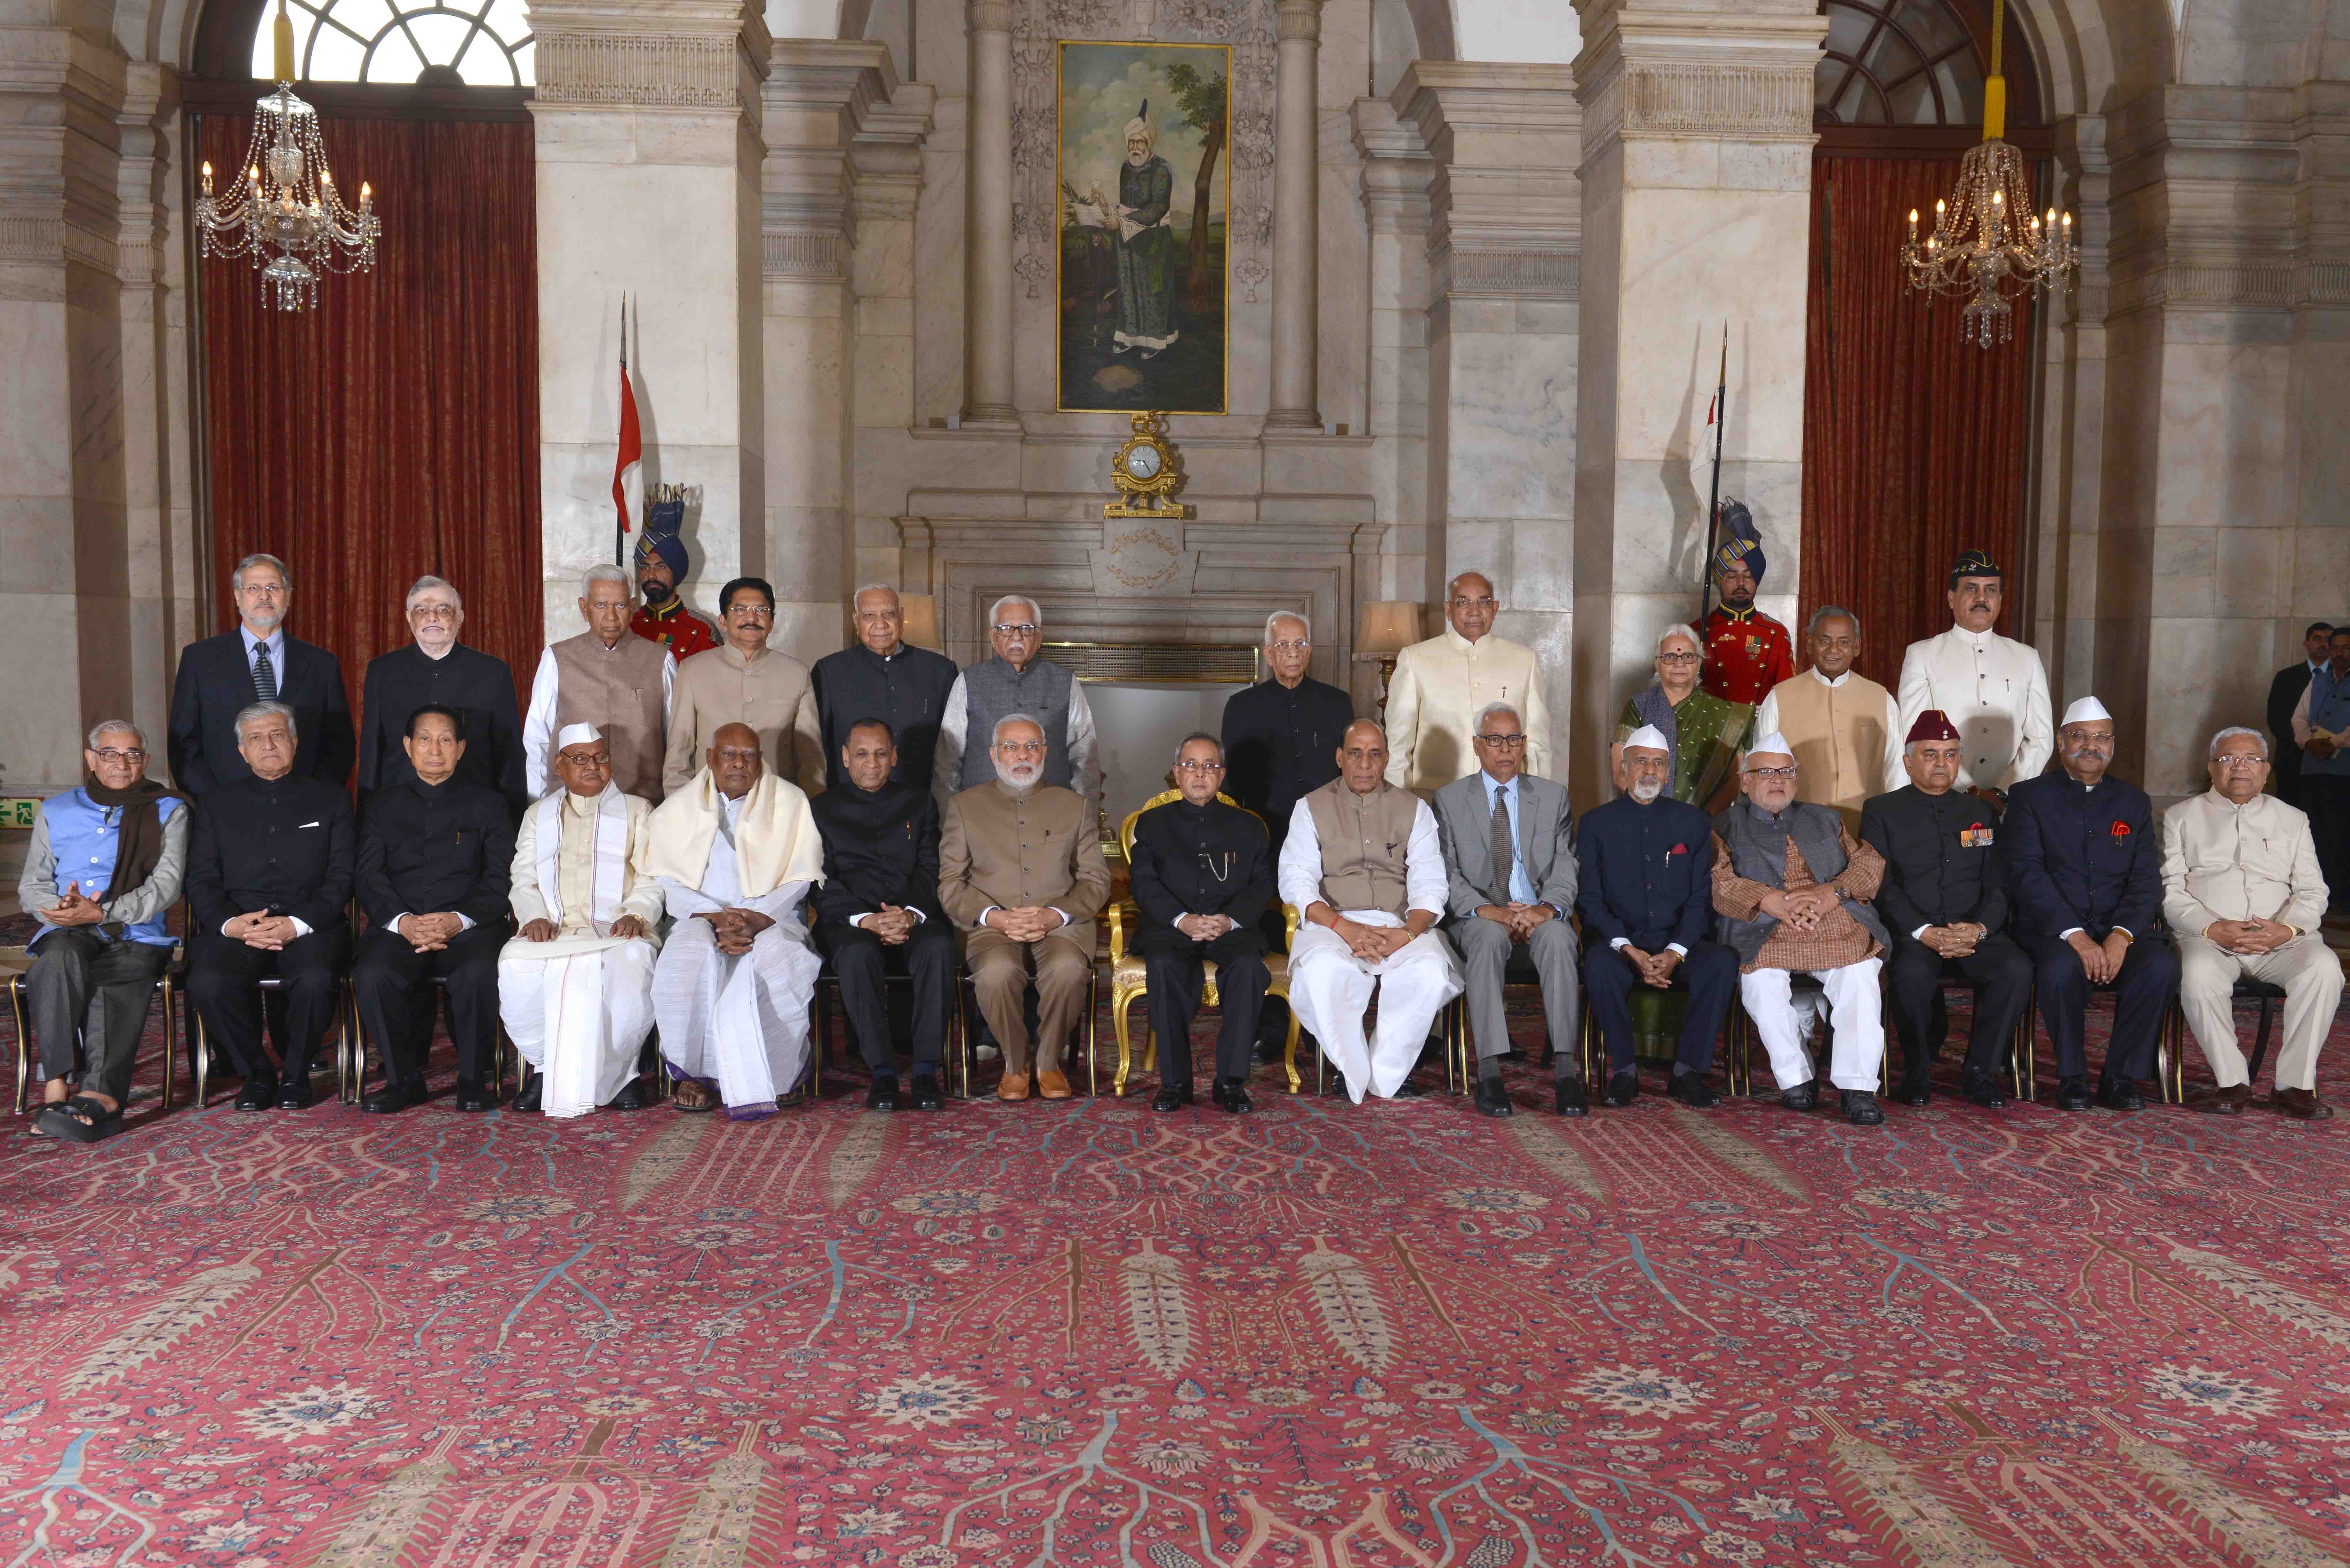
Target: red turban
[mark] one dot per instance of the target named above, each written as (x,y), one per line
(1933,725)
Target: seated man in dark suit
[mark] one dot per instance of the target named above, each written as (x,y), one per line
(2085,867)
(1645,890)
(221,677)
(1944,903)
(435,855)
(1202,877)
(269,870)
(877,911)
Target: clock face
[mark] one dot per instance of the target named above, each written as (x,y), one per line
(1142,461)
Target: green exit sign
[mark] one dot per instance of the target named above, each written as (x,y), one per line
(17,812)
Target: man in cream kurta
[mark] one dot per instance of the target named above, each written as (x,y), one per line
(1993,687)
(744,680)
(735,850)
(1846,728)
(2241,890)
(1442,685)
(1364,867)
(575,989)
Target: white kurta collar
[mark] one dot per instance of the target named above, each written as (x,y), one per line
(1835,685)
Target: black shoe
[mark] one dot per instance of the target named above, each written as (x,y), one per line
(393,1098)
(883,1095)
(631,1096)
(1803,1097)
(1623,1089)
(1861,1109)
(925,1092)
(797,1097)
(1233,1095)
(1336,1088)
(1568,1098)
(2073,1094)
(1914,1089)
(472,1096)
(2120,1094)
(258,1094)
(1492,1100)
(1983,1089)
(1692,1090)
(527,1098)
(1408,1090)
(294,1094)
(1171,1097)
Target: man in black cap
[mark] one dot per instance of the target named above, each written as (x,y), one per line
(1992,688)
(2284,695)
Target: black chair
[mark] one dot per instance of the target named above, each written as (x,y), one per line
(827,980)
(350,1078)
(172,981)
(961,1021)
(1739,1072)
(2174,1034)
(1459,1062)
(347,1030)
(2169,1082)
(2019,1046)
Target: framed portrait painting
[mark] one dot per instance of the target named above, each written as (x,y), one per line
(1143,181)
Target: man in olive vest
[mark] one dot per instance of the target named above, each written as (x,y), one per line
(1364,866)
(609,678)
(1014,680)
(1847,729)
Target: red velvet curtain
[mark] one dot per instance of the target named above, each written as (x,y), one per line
(392,429)
(1914,441)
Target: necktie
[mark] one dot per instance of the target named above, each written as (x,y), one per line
(265,675)
(1504,852)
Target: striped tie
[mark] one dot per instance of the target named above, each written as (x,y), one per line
(1504,852)
(265,675)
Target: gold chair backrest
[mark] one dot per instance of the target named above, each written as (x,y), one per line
(1126,829)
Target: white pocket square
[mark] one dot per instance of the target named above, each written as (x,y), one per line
(305,824)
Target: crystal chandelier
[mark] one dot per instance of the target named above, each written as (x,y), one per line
(286,214)
(1988,244)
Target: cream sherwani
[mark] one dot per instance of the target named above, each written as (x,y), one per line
(578,1008)
(719,686)
(2222,861)
(1995,690)
(739,1024)
(1432,704)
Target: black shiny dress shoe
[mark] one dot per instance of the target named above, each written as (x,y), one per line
(1911,1091)
(1861,1109)
(2120,1094)
(2073,1094)
(393,1098)
(472,1096)
(1983,1089)
(1623,1089)
(925,1092)
(1409,1090)
(1803,1097)
(294,1094)
(258,1094)
(529,1096)
(883,1095)
(1568,1098)
(1493,1099)
(1233,1095)
(631,1096)
(1692,1090)
(1171,1097)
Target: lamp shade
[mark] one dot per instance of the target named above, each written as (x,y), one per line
(1389,626)
(921,625)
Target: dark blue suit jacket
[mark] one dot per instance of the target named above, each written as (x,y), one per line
(215,684)
(2085,857)
(1646,874)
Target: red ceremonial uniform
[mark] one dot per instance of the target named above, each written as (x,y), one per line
(677,628)
(1746,654)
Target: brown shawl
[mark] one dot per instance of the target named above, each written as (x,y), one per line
(141,846)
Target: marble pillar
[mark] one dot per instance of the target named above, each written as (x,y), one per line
(988,304)
(1695,181)
(1297,223)
(647,119)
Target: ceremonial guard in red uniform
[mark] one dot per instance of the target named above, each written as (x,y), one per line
(1746,652)
(660,566)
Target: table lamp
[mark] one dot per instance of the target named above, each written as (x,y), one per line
(919,622)
(1389,626)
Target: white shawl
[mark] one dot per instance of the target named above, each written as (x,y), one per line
(611,855)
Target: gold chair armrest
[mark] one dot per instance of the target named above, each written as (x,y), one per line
(1288,927)
(1115,912)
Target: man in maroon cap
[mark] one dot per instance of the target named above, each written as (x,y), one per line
(1944,901)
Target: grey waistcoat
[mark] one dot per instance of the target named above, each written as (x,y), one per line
(993,692)
(1758,852)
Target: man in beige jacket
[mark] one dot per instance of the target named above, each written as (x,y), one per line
(744,681)
(1021,871)
(1442,685)
(2241,892)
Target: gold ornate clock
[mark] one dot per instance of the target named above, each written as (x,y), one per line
(1145,473)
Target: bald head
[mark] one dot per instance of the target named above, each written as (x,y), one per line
(1363,756)
(734,758)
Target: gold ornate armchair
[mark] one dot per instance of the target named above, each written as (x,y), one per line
(1129,982)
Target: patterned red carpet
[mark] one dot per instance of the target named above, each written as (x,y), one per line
(1084,1334)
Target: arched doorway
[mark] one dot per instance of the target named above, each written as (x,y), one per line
(1916,444)
(392,431)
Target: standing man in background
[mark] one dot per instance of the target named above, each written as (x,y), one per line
(220,677)
(1014,680)
(1844,726)
(617,684)
(660,566)
(882,676)
(1441,684)
(436,670)
(2284,696)
(2319,720)
(1281,735)
(1746,652)
(744,682)
(1992,688)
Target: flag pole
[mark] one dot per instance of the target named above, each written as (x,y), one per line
(620,512)
(1714,504)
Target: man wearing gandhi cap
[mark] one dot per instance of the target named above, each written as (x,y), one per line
(575,988)
(1792,885)
(1944,904)
(2085,868)
(1992,688)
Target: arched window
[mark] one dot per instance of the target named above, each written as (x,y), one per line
(470,43)
(1914,63)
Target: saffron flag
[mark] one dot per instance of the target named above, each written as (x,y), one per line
(632,440)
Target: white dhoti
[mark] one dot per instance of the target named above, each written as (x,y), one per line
(1856,1023)
(578,1009)
(1332,989)
(739,1024)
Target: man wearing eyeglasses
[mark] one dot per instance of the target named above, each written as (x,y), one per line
(260,661)
(1509,842)
(436,670)
(1792,884)
(1441,684)
(882,676)
(1281,735)
(1014,680)
(744,681)
(1202,880)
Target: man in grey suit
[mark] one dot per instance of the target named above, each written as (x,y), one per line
(1509,851)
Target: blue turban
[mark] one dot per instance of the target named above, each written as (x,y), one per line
(1739,538)
(663,521)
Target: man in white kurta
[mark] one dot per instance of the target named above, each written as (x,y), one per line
(735,851)
(575,989)
(1363,866)
(1442,685)
(1993,687)
(2243,894)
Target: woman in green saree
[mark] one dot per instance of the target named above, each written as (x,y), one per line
(1706,733)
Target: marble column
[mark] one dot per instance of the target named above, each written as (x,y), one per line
(647,117)
(1696,197)
(988,305)
(1295,218)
